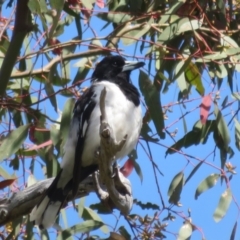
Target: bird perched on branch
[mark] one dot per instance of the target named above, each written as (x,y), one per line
(122,106)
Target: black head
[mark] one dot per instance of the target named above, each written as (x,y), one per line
(112,66)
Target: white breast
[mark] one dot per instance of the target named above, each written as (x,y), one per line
(122,115)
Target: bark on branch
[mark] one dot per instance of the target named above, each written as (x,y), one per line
(21,203)
(118,187)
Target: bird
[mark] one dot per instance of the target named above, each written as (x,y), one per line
(124,115)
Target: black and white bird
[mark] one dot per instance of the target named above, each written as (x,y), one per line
(123,110)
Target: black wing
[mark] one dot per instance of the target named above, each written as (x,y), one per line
(82,113)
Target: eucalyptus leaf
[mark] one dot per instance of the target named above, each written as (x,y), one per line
(223,205)
(206,184)
(13,141)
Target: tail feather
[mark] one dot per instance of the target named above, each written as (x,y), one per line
(44,214)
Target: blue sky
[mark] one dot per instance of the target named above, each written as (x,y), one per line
(202,209)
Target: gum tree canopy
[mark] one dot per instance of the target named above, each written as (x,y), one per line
(190,139)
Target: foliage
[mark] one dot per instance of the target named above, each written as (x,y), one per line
(190,46)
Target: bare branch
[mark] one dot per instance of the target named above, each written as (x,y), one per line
(21,203)
(58,59)
(118,187)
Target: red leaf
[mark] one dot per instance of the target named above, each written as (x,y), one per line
(100,3)
(205,107)
(57,50)
(127,168)
(31,133)
(6,183)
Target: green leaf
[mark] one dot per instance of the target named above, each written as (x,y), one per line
(114,17)
(18,84)
(222,127)
(44,235)
(184,122)
(177,27)
(223,205)
(175,188)
(51,94)
(81,205)
(88,4)
(169,32)
(236,96)
(22,65)
(206,184)
(225,101)
(221,70)
(173,9)
(84,227)
(136,34)
(31,180)
(185,231)
(233,51)
(57,5)
(152,99)
(66,118)
(81,74)
(38,7)
(237,134)
(144,133)
(194,171)
(74,14)
(193,77)
(64,217)
(212,57)
(89,214)
(138,170)
(181,68)
(232,237)
(185,24)
(122,230)
(13,141)
(55,135)
(227,41)
(14,163)
(4,173)
(191,138)
(181,81)
(199,134)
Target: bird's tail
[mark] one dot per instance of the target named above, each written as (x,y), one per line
(44,214)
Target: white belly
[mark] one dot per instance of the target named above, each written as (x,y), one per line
(119,111)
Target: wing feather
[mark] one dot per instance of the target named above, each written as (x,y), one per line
(82,114)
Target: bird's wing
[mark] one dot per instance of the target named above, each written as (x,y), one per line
(82,113)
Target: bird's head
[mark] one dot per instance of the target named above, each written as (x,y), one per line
(113,66)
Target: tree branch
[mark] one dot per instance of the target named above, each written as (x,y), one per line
(22,202)
(118,187)
(22,26)
(58,59)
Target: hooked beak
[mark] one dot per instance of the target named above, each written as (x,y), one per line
(129,66)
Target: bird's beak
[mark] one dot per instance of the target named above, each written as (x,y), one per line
(129,65)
